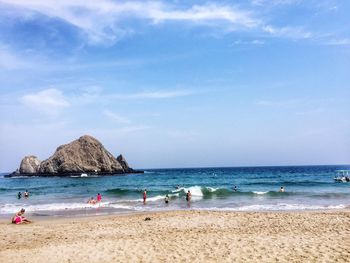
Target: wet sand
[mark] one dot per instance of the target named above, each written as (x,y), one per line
(182,236)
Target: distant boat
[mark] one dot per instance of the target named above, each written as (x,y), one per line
(83,175)
(342,176)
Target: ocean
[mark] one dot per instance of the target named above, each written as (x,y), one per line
(306,188)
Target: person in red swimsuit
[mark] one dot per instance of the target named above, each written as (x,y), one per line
(99,197)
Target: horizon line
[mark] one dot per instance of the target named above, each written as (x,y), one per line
(217,167)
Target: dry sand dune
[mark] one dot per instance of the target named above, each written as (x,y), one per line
(182,236)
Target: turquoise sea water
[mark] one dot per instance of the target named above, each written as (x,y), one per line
(306,187)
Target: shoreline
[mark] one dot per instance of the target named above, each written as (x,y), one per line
(91,214)
(185,235)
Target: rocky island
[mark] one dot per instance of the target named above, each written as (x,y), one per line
(84,155)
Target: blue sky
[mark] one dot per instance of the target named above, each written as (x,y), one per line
(177,83)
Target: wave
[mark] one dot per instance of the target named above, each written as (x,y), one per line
(121,191)
(275,207)
(290,183)
(260,193)
(197,192)
(330,195)
(39,188)
(133,192)
(208,192)
(151,199)
(13,208)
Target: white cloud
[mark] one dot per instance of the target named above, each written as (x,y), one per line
(96,94)
(100,20)
(287,32)
(49,101)
(52,101)
(106,21)
(116,117)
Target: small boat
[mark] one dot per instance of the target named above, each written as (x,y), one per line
(342,176)
(83,175)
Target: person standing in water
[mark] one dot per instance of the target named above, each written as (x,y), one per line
(99,197)
(166,200)
(188,196)
(282,189)
(19,195)
(144,196)
(26,194)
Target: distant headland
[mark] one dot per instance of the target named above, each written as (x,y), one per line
(85,155)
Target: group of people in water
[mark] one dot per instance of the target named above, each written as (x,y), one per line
(25,194)
(167,198)
(94,201)
(19,218)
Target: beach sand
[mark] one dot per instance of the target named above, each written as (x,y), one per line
(182,236)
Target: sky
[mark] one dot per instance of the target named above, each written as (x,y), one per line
(177,83)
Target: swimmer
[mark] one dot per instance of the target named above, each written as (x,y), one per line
(26,194)
(19,195)
(188,196)
(282,189)
(166,200)
(91,201)
(235,188)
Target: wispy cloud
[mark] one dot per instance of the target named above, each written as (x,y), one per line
(49,101)
(52,100)
(274,2)
(116,117)
(287,32)
(100,20)
(160,94)
(249,42)
(339,42)
(105,21)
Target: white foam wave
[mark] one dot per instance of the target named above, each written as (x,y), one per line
(260,192)
(195,190)
(211,189)
(152,199)
(277,207)
(119,206)
(13,208)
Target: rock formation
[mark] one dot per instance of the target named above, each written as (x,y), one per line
(123,163)
(84,155)
(29,165)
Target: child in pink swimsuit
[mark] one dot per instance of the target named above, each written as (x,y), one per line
(19,218)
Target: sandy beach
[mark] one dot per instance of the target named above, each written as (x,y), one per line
(182,236)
